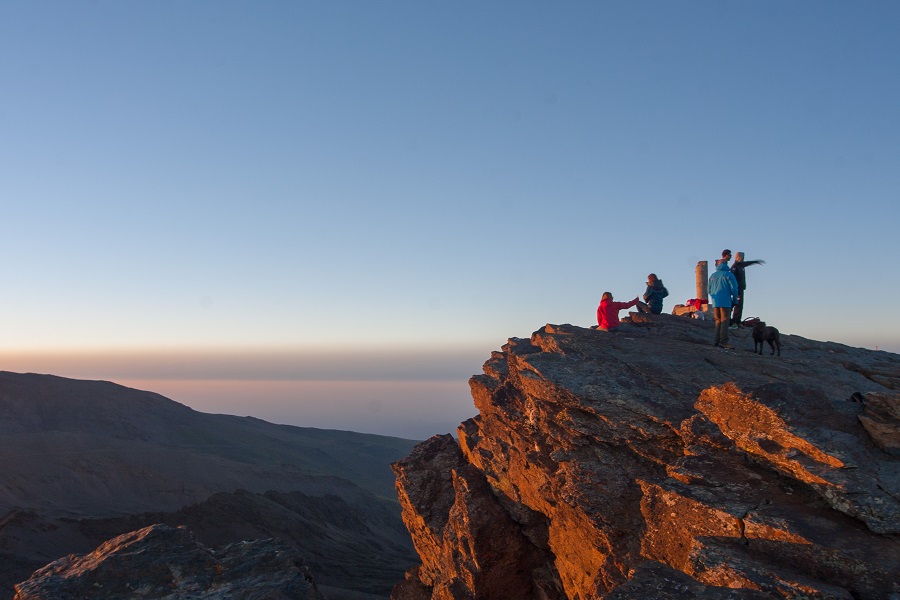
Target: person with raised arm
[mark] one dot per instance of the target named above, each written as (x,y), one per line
(738,270)
(608,311)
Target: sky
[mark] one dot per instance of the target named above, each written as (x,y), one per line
(329,214)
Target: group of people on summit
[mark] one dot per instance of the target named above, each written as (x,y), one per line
(727,290)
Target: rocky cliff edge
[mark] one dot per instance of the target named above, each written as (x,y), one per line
(646,463)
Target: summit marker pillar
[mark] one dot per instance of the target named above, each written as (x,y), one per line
(702,274)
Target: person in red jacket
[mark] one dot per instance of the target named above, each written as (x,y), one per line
(608,311)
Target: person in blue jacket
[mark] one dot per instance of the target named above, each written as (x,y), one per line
(723,293)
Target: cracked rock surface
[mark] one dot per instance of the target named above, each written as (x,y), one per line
(646,463)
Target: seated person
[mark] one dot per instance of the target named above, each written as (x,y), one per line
(654,295)
(608,311)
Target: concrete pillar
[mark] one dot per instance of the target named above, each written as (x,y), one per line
(702,274)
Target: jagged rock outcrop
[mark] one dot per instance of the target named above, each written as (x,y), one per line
(165,563)
(646,463)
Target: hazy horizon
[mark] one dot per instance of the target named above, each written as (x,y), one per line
(413,410)
(406,394)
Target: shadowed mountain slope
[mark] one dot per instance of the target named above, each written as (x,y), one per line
(84,461)
(94,448)
(163,563)
(355,549)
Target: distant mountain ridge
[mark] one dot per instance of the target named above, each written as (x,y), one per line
(95,448)
(85,461)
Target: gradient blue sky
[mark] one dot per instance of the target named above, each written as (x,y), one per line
(420,181)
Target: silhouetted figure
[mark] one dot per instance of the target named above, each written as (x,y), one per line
(738,270)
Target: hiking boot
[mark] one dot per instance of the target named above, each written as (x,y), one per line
(726,346)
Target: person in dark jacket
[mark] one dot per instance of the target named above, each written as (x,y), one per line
(738,270)
(654,295)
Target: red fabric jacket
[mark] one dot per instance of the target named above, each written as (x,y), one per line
(608,312)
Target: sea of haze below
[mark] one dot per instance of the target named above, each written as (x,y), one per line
(407,409)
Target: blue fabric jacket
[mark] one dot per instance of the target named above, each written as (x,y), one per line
(723,287)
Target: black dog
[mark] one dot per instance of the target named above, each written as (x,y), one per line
(761,334)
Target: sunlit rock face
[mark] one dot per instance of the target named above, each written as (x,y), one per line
(645,463)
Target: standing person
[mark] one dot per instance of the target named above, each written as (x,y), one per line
(723,293)
(608,312)
(738,269)
(654,295)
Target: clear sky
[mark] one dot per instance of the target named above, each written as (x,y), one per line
(209,192)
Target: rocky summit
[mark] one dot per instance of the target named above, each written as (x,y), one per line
(646,463)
